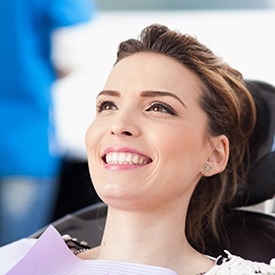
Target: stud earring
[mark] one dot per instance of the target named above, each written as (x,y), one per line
(207,168)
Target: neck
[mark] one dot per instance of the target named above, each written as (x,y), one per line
(156,238)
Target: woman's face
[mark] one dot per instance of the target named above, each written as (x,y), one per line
(148,142)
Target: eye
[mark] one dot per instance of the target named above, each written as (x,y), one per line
(105,106)
(160,107)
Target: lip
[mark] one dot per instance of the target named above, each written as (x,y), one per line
(123,150)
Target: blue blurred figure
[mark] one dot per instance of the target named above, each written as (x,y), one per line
(29,158)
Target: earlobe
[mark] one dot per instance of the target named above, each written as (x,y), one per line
(218,158)
(207,168)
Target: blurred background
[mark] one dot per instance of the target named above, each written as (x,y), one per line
(240,31)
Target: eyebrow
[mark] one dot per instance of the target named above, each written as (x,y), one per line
(161,93)
(143,94)
(109,92)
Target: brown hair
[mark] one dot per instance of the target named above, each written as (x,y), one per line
(230,110)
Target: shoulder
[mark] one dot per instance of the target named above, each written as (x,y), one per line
(12,253)
(236,265)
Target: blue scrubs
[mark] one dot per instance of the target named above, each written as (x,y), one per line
(28,149)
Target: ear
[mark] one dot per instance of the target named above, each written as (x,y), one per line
(217,160)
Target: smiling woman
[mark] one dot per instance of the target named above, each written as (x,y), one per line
(154,119)
(167,150)
(184,102)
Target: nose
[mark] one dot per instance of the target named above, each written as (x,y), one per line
(125,126)
(122,132)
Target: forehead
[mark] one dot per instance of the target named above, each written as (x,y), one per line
(152,70)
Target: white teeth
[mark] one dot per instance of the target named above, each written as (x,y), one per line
(121,158)
(135,159)
(140,161)
(113,157)
(128,158)
(125,158)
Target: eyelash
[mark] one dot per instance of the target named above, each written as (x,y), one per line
(102,104)
(166,108)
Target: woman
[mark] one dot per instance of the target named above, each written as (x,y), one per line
(166,152)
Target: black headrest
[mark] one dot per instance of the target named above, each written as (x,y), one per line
(261,178)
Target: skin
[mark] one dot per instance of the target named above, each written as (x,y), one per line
(149,109)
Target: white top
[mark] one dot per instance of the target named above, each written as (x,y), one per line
(50,255)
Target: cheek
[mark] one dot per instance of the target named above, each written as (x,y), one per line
(183,149)
(92,139)
(172,143)
(88,142)
(92,136)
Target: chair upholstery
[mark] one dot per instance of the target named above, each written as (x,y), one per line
(261,179)
(250,235)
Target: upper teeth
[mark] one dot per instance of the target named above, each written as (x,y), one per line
(125,158)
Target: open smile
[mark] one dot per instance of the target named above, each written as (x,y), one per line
(125,158)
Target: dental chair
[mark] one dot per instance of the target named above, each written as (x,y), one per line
(250,234)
